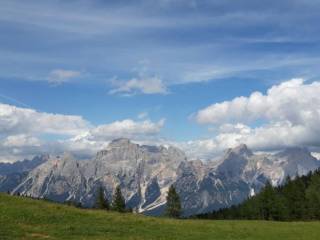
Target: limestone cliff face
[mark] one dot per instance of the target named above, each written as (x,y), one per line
(145,173)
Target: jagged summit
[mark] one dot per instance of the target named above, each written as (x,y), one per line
(241,150)
(234,162)
(118,145)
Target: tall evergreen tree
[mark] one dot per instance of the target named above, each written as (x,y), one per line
(313,198)
(101,201)
(173,203)
(294,193)
(268,198)
(118,201)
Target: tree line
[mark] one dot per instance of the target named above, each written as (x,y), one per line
(173,205)
(118,202)
(295,199)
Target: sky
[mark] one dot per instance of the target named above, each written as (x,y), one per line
(201,75)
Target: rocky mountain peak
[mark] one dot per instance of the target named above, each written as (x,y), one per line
(235,161)
(119,147)
(241,150)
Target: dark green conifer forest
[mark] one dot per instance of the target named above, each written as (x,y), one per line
(296,199)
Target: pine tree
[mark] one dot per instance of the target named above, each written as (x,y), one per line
(294,193)
(118,201)
(313,197)
(101,201)
(173,203)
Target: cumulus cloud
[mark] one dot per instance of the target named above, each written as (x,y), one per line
(59,76)
(25,132)
(290,113)
(145,85)
(292,100)
(15,120)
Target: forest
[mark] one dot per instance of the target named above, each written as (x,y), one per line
(295,200)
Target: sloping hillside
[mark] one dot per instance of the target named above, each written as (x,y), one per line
(22,218)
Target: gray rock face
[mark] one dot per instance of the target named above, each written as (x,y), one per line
(10,181)
(239,173)
(145,173)
(22,166)
(11,174)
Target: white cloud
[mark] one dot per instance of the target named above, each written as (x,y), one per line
(59,76)
(25,132)
(21,140)
(145,85)
(15,120)
(291,101)
(290,112)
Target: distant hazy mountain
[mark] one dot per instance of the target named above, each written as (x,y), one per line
(146,172)
(11,174)
(22,166)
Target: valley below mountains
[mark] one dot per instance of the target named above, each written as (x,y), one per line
(145,174)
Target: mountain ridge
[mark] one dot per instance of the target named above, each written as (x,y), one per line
(145,173)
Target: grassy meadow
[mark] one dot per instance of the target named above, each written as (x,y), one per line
(23,218)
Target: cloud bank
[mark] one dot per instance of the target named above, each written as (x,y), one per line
(15,120)
(25,132)
(288,114)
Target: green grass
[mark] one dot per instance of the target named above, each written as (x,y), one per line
(22,218)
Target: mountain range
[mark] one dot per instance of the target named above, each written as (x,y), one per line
(145,173)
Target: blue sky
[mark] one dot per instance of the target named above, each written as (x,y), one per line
(160,62)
